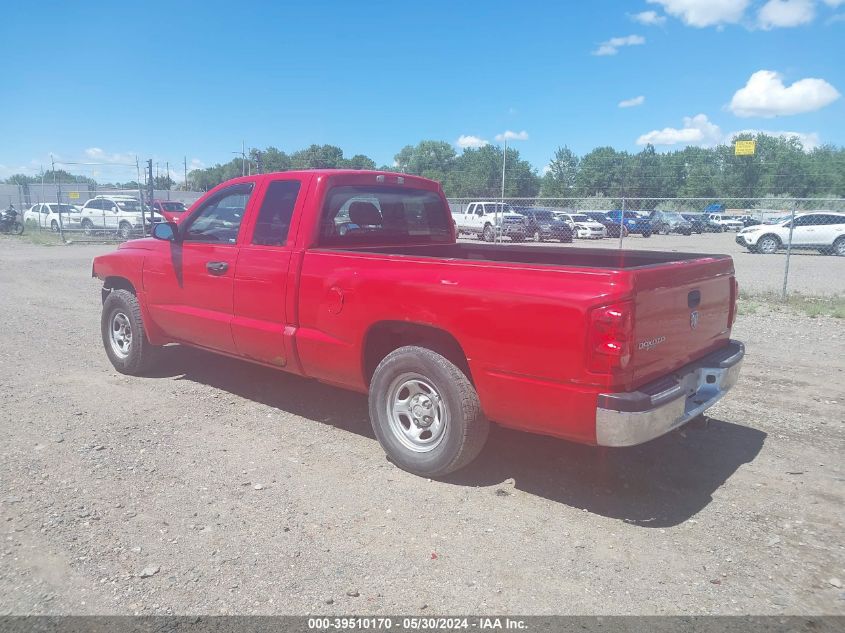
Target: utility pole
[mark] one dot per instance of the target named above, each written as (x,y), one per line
(502,209)
(242,154)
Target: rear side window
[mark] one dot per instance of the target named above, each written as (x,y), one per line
(273,224)
(379,215)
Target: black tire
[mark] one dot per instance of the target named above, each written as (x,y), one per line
(488,235)
(465,429)
(647,234)
(54,226)
(17,228)
(838,247)
(124,230)
(538,237)
(87,227)
(768,245)
(141,354)
(721,229)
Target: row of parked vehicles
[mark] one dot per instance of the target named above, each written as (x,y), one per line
(492,220)
(124,215)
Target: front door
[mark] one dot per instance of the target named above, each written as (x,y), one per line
(190,285)
(261,277)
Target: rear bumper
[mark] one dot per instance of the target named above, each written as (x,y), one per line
(630,418)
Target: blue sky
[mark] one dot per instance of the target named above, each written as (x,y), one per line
(104,81)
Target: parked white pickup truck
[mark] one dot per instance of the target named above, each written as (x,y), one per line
(488,220)
(727,222)
(123,214)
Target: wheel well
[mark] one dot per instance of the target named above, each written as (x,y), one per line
(116,283)
(386,336)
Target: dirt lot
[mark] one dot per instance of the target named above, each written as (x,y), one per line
(220,487)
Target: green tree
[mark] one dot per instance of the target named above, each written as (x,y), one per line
(561,177)
(317,157)
(478,172)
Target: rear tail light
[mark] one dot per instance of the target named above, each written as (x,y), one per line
(734,301)
(610,338)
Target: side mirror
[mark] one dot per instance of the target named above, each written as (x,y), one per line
(166,231)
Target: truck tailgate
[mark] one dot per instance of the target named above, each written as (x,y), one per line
(681,312)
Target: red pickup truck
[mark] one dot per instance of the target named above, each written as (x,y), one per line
(355,278)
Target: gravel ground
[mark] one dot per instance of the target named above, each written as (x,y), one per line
(809,272)
(221,487)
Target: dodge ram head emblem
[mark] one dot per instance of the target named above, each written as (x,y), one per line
(693,319)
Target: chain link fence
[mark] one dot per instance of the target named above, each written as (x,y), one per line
(779,245)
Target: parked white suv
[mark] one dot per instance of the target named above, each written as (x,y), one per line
(821,230)
(123,214)
(727,222)
(52,215)
(583,225)
(490,219)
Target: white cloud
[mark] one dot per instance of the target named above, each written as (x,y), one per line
(697,130)
(632,103)
(786,13)
(196,163)
(766,96)
(701,13)
(512,136)
(834,3)
(649,18)
(101,156)
(612,46)
(467,140)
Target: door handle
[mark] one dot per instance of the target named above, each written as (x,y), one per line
(217,268)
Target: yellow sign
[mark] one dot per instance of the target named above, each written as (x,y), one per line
(73,195)
(745,148)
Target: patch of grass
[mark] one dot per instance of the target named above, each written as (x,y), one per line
(40,238)
(813,307)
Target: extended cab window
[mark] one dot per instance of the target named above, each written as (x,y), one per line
(394,215)
(273,224)
(219,219)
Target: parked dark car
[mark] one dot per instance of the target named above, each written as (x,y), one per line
(544,225)
(612,226)
(697,221)
(667,222)
(749,220)
(634,222)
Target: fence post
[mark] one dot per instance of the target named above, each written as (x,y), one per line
(789,251)
(622,222)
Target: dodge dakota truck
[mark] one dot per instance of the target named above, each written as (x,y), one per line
(355,278)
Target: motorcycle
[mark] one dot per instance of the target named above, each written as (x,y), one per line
(9,222)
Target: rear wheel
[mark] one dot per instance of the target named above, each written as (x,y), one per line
(425,412)
(839,247)
(124,231)
(647,234)
(768,244)
(488,235)
(17,228)
(537,236)
(54,226)
(124,338)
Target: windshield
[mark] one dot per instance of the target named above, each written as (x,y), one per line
(672,215)
(128,205)
(579,217)
(544,216)
(173,207)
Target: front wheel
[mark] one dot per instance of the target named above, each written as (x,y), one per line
(17,228)
(488,235)
(839,247)
(124,338)
(647,234)
(87,227)
(425,412)
(54,226)
(537,236)
(768,245)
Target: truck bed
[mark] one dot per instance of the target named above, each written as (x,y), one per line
(612,259)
